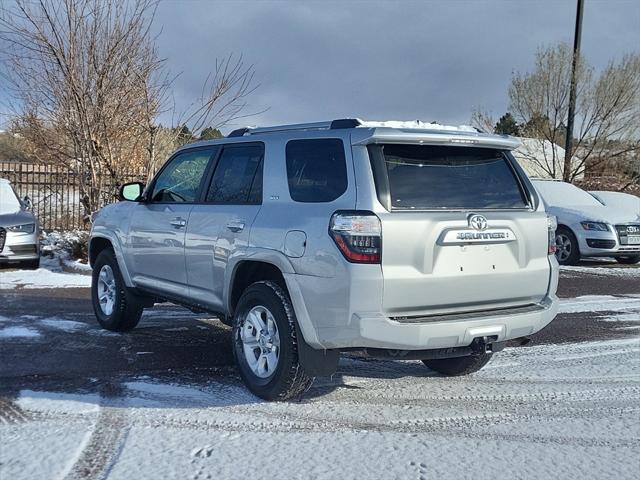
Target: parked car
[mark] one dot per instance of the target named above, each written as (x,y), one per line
(588,226)
(414,242)
(619,200)
(19,230)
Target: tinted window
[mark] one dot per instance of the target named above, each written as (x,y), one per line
(180,180)
(238,176)
(433,177)
(316,170)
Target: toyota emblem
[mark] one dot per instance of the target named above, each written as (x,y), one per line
(478,222)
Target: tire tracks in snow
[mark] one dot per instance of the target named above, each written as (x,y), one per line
(98,454)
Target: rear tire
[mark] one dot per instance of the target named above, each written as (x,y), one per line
(630,260)
(568,251)
(455,367)
(265,346)
(116,307)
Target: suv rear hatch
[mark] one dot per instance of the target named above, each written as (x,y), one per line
(459,232)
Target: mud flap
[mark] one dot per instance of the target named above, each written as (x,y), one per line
(317,363)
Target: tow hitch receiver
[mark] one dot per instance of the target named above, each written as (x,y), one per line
(490,344)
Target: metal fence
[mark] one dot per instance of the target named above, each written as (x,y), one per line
(55,192)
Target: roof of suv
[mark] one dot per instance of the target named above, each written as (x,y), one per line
(364,132)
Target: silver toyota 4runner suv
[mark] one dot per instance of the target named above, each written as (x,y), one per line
(402,240)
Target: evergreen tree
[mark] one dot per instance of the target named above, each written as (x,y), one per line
(210,133)
(507,125)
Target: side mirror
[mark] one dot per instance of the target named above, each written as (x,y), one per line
(131,191)
(27,202)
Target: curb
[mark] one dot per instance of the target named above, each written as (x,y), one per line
(70,268)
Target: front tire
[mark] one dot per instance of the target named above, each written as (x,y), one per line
(455,367)
(629,260)
(265,343)
(567,249)
(115,306)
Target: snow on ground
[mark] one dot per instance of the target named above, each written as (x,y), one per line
(601,303)
(18,332)
(561,411)
(602,271)
(49,275)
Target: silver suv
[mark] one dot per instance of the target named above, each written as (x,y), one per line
(399,240)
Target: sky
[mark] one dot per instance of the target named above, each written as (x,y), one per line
(432,60)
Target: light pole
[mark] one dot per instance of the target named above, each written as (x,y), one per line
(568,146)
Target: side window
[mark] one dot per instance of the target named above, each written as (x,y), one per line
(316,170)
(238,176)
(179,181)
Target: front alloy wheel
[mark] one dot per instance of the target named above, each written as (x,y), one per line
(116,306)
(106,289)
(567,252)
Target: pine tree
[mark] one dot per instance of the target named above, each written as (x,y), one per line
(507,125)
(210,133)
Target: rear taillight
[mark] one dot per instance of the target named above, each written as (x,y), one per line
(358,236)
(552,226)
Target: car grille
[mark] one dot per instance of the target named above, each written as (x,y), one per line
(625,231)
(3,237)
(597,243)
(23,249)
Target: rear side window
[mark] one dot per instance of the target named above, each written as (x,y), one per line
(437,177)
(237,179)
(316,170)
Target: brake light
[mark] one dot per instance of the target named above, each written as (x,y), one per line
(552,226)
(358,236)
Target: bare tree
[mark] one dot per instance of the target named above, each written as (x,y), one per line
(482,120)
(89,87)
(607,123)
(72,67)
(222,100)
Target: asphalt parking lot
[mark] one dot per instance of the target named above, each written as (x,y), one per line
(174,341)
(165,400)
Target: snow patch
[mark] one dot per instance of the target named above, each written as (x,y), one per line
(64,325)
(599,303)
(416,125)
(18,332)
(37,401)
(603,271)
(49,275)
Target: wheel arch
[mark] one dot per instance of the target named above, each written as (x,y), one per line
(99,243)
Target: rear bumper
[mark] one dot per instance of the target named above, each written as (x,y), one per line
(378,331)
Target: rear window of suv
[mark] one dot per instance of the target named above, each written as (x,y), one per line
(316,170)
(429,177)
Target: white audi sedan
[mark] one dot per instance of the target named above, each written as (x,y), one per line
(588,227)
(19,230)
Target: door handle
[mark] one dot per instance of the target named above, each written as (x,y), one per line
(178,222)
(235,226)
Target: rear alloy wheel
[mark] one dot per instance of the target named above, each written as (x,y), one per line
(265,343)
(629,260)
(454,367)
(116,307)
(567,250)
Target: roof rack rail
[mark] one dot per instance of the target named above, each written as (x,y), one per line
(337,124)
(239,132)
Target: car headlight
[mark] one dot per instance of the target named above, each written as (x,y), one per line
(25,228)
(597,226)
